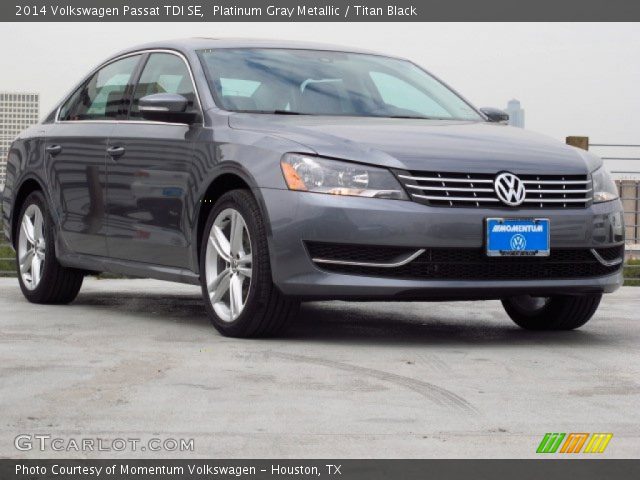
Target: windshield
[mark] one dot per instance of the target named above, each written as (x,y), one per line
(314,82)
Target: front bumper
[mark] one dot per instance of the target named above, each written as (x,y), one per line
(298,217)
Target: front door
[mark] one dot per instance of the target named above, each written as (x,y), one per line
(149,174)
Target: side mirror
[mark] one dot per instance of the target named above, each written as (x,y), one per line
(496,115)
(166,107)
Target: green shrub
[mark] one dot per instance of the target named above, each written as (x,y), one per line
(6,253)
(632,275)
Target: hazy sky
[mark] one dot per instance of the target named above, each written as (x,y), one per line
(572,79)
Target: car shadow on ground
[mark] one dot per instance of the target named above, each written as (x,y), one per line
(477,323)
(418,324)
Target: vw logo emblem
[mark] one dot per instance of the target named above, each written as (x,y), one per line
(510,189)
(518,242)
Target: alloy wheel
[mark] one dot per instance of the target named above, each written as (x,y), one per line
(228,264)
(31,247)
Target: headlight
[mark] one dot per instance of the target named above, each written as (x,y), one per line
(604,188)
(323,175)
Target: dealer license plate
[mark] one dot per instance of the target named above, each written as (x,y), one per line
(517,237)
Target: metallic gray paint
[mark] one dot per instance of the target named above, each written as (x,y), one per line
(297,217)
(437,145)
(138,214)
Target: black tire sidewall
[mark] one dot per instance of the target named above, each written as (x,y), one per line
(37,198)
(560,313)
(243,202)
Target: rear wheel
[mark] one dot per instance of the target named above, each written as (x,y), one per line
(239,293)
(551,313)
(42,279)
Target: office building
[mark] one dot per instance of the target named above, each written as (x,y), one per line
(516,113)
(18,110)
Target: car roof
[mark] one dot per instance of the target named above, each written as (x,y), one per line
(203,43)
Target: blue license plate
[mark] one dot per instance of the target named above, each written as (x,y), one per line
(507,237)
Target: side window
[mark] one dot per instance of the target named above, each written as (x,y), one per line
(397,93)
(163,73)
(102,97)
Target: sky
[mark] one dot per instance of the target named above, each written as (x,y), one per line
(571,78)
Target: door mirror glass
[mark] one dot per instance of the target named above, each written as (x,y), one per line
(496,115)
(165,107)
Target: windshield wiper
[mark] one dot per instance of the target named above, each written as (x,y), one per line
(273,112)
(418,117)
(291,112)
(287,112)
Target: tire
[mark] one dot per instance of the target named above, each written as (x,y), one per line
(261,310)
(42,278)
(551,313)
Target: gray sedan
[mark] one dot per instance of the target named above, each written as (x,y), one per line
(275,172)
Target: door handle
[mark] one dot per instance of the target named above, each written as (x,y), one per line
(53,150)
(115,152)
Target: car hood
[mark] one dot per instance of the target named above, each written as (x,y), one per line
(432,145)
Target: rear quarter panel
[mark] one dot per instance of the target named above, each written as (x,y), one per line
(25,161)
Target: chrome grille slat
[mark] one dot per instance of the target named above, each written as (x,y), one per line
(556,182)
(474,190)
(558,191)
(444,179)
(456,199)
(451,189)
(556,200)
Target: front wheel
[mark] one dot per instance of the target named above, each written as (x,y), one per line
(551,313)
(235,273)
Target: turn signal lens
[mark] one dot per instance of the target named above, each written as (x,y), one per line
(294,182)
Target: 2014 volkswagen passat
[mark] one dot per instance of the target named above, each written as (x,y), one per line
(275,172)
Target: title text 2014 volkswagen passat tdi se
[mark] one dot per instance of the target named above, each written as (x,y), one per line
(271,173)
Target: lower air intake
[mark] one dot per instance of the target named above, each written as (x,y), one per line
(462,263)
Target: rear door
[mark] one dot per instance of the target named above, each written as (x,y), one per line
(149,181)
(75,154)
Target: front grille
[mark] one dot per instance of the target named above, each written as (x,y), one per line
(473,263)
(447,189)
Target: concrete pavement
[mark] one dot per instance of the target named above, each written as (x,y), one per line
(138,359)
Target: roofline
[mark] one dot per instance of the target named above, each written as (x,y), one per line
(185,45)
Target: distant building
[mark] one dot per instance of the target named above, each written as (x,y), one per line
(516,113)
(18,110)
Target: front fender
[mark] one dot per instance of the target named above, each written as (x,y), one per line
(226,168)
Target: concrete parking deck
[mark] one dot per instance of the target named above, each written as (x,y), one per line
(138,359)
